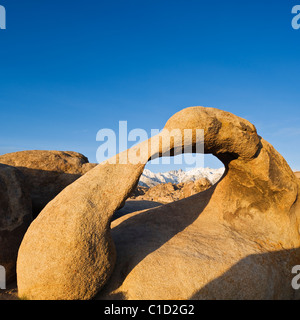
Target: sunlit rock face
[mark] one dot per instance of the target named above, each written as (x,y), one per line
(47,172)
(237,240)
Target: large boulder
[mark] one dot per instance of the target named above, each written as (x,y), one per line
(15,217)
(193,187)
(238,239)
(163,193)
(47,173)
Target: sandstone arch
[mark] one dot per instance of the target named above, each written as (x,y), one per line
(69,250)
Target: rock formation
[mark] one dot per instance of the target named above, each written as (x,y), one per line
(15,217)
(193,187)
(238,239)
(47,172)
(163,193)
(168,192)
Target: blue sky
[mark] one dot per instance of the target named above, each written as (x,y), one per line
(71,68)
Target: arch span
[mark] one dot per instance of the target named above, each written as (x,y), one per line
(68,251)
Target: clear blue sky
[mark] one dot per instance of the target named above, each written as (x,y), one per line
(70,68)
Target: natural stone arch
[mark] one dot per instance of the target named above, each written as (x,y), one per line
(68,251)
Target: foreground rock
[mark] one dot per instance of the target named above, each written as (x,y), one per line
(238,239)
(47,173)
(135,205)
(15,217)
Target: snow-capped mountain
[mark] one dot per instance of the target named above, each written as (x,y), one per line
(150,179)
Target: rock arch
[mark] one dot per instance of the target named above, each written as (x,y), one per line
(69,251)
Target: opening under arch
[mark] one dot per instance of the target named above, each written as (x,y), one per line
(172,179)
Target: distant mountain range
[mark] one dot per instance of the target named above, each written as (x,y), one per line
(150,179)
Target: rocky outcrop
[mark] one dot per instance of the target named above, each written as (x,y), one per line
(47,173)
(139,191)
(238,239)
(15,217)
(193,187)
(163,193)
(168,192)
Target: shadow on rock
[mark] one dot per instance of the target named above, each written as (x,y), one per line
(254,278)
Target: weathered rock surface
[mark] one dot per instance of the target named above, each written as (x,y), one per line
(168,192)
(15,217)
(135,205)
(297,174)
(164,193)
(238,239)
(47,173)
(233,242)
(193,187)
